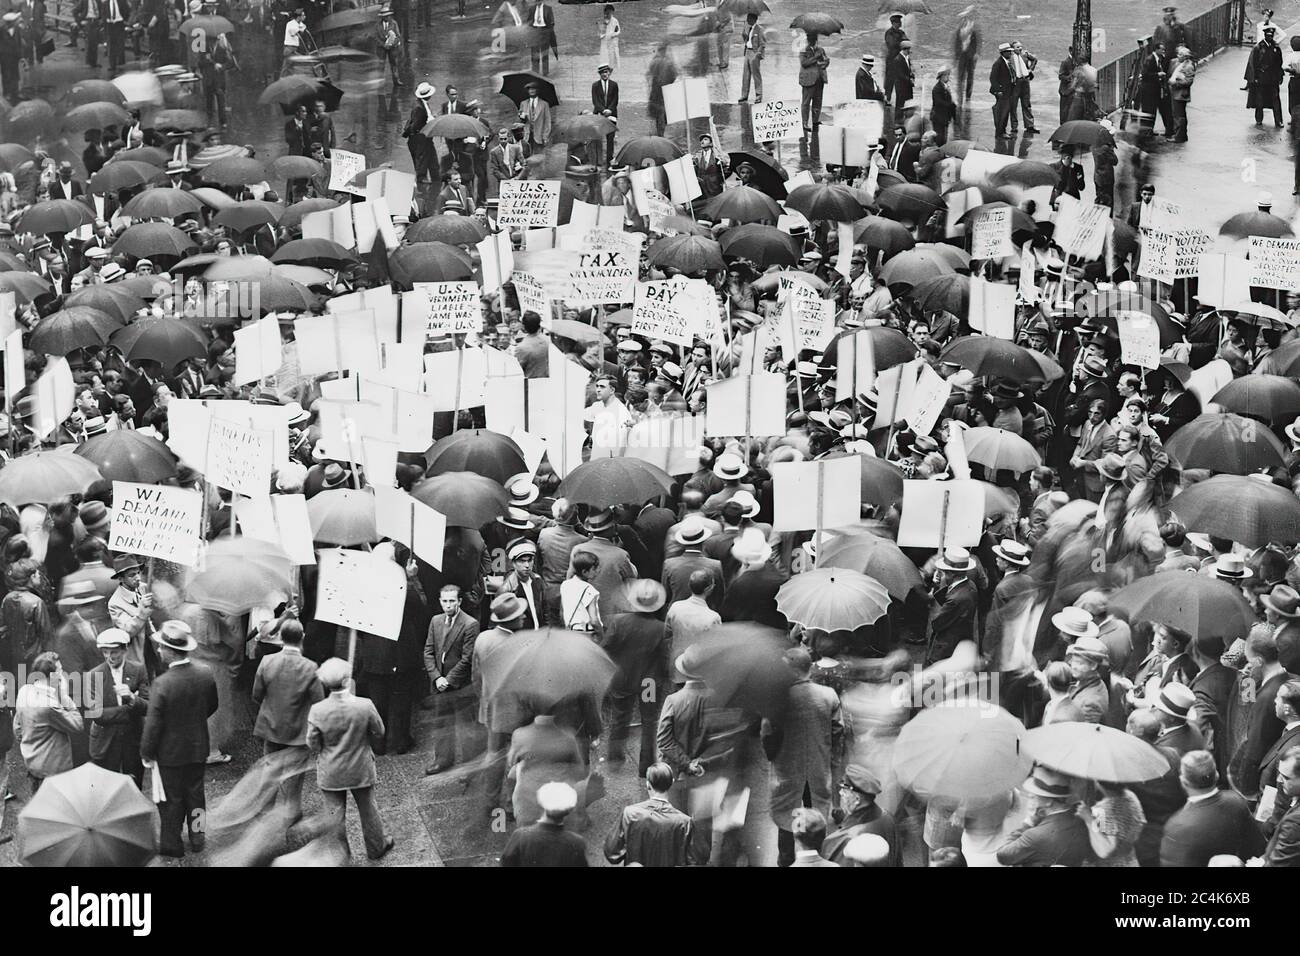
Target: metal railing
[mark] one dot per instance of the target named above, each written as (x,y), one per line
(1207,34)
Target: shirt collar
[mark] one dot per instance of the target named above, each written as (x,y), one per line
(183,660)
(807,855)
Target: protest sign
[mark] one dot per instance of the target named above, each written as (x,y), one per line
(590,216)
(257,351)
(606,267)
(941,514)
(929,396)
(1208,380)
(382,302)
(1222,280)
(157,521)
(15,370)
(344,167)
(453,307)
(991,234)
(960,202)
(1139,339)
(807,320)
(496,259)
(371,221)
(687,99)
(361,591)
(658,311)
(978,165)
(992,308)
(855,370)
(746,405)
(8,313)
(658,208)
(550,268)
(954,450)
(332,224)
(1190,245)
(1027,287)
(812,495)
(454,378)
(894,388)
(239,458)
(408,415)
(392,189)
(1274,263)
(337,341)
(775,120)
(683,184)
(55,393)
(342,423)
(558,402)
(529,202)
(531,293)
(293,525)
(844,146)
(1081,227)
(413,523)
(865,116)
(1160,214)
(1157,260)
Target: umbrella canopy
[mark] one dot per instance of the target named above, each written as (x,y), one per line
(291,89)
(584,128)
(743,204)
(347,18)
(211,24)
(342,516)
(292,218)
(429,262)
(13,155)
(1238,508)
(453,230)
(637,150)
(72,328)
(249,214)
(93,91)
(762,245)
(1027,173)
(576,331)
(153,155)
(215,198)
(911,201)
(874,556)
(468,500)
(829,201)
(987,192)
(1107,306)
(905,6)
(962,751)
(1081,133)
(161,202)
(125,175)
(43,476)
(998,449)
(25,286)
(1261,315)
(997,358)
(230,268)
(822,23)
(1095,752)
(1273,398)
(541,668)
(743,667)
(739,8)
(304,275)
(27,120)
(888,235)
(167,341)
(686,254)
(606,482)
(95,116)
(889,347)
(1195,603)
(128,455)
(460,126)
(483,452)
(240,574)
(1020,220)
(944,293)
(958,148)
(769,281)
(146,240)
(321,253)
(117,301)
(957,257)
(54,215)
(88,817)
(767,175)
(515,86)
(294,167)
(832,599)
(1226,443)
(914,265)
(1257,223)
(235,171)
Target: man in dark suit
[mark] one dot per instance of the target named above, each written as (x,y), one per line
(710,167)
(942,106)
(1160,797)
(118,691)
(677,570)
(1213,686)
(424,155)
(651,526)
(604,102)
(322,127)
(65,187)
(894,37)
(546,843)
(1287,707)
(448,654)
(542,20)
(653,832)
(116,15)
(904,77)
(1069,175)
(636,642)
(175,737)
(1152,80)
(1264,78)
(1173,706)
(297,132)
(1263,726)
(864,82)
(858,792)
(1284,845)
(284,689)
(1214,822)
(453,197)
(904,153)
(955,602)
(808,827)
(1002,84)
(812,81)
(751,595)
(1053,834)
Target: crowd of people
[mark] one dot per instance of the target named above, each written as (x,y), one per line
(1133,576)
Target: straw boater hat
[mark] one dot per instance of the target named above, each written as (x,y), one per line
(517,519)
(1232,567)
(868,60)
(691,532)
(77,593)
(730,467)
(1284,601)
(1013,552)
(645,595)
(1075,622)
(867,849)
(685,665)
(751,547)
(1293,432)
(175,636)
(1176,700)
(600,520)
(424,91)
(522,490)
(955,560)
(746,501)
(1047,783)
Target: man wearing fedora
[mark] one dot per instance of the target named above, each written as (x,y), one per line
(637,642)
(1267,676)
(954,603)
(1211,823)
(864,82)
(448,659)
(615,568)
(1213,686)
(690,536)
(424,155)
(751,594)
(1053,834)
(730,469)
(175,736)
(499,712)
(131,609)
(1173,705)
(118,694)
(1286,705)
(1089,690)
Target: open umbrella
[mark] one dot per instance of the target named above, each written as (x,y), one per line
(483,452)
(1261,315)
(957,257)
(343,516)
(321,253)
(769,281)
(26,286)
(294,167)
(235,171)
(88,817)
(161,202)
(914,265)
(93,91)
(44,476)
(762,245)
(453,230)
(95,116)
(743,204)
(962,751)
(742,664)
(347,18)
(167,341)
(605,482)
(1095,752)
(54,215)
(832,599)
(429,262)
(1000,450)
(468,500)
(958,148)
(1256,223)
(515,86)
(686,254)
(874,556)
(152,155)
(308,276)
(128,455)
(1273,398)
(637,150)
(911,201)
(889,347)
(249,214)
(1195,603)
(71,328)
(230,268)
(888,235)
(992,357)
(766,174)
(460,126)
(740,8)
(944,293)
(827,201)
(292,218)
(1238,508)
(118,301)
(1081,133)
(1108,305)
(547,666)
(1027,173)
(13,155)
(1226,443)
(240,574)
(1020,220)
(574,330)
(821,23)
(126,175)
(28,120)
(213,198)
(147,240)
(211,24)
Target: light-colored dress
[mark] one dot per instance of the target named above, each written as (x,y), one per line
(1121,818)
(610,31)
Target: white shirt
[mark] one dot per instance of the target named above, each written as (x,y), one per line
(539,16)
(291,31)
(114,12)
(578,604)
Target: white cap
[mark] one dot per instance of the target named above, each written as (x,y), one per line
(557,798)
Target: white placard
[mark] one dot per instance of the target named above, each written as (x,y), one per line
(992,308)
(1139,339)
(746,405)
(978,165)
(453,307)
(531,294)
(294,526)
(991,234)
(157,521)
(1222,280)
(590,216)
(529,202)
(1275,263)
(240,458)
(411,522)
(361,590)
(659,311)
(496,256)
(344,167)
(393,189)
(954,507)
(775,121)
(811,495)
(686,99)
(855,369)
(844,146)
(928,399)
(866,116)
(257,351)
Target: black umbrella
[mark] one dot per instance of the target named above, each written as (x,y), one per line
(765,174)
(585,128)
(164,202)
(321,253)
(822,23)
(54,215)
(743,204)
(429,262)
(476,450)
(945,293)
(887,235)
(453,230)
(911,200)
(72,328)
(743,666)
(468,500)
(658,150)
(828,201)
(988,356)
(1081,133)
(1226,443)
(117,301)
(515,86)
(1257,223)
(164,340)
(762,245)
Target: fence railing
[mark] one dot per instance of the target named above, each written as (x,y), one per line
(1207,34)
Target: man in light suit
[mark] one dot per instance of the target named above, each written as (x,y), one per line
(536,114)
(284,690)
(755,44)
(1096,440)
(118,692)
(505,160)
(604,102)
(542,19)
(448,654)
